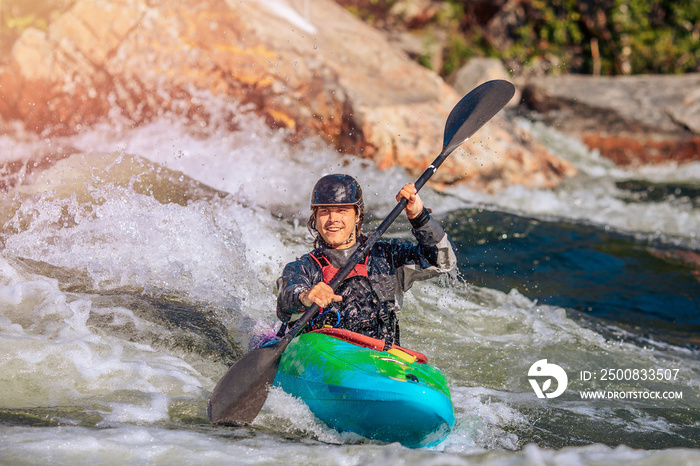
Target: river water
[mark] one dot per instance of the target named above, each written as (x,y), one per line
(138,263)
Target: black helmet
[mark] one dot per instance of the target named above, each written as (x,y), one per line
(337,190)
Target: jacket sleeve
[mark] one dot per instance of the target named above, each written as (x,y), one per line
(297,276)
(434,255)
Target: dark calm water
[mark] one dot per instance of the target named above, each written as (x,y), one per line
(647,284)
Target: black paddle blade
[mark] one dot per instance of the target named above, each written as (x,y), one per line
(474,110)
(242,391)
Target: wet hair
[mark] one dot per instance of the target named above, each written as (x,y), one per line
(318,239)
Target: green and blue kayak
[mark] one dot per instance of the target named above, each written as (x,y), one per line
(352,385)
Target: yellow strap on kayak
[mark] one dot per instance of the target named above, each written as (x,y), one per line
(402,355)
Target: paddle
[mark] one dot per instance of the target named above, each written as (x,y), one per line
(242,391)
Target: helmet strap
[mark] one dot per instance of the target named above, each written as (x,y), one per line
(350,238)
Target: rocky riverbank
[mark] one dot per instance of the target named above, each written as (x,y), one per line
(309,68)
(632,120)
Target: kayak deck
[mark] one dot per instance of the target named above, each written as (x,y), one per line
(377,394)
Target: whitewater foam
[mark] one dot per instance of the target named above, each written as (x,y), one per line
(120,277)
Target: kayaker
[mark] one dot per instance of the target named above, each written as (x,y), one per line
(368,300)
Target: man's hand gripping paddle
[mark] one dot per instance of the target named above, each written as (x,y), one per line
(242,391)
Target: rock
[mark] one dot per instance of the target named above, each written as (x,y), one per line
(479,162)
(413,13)
(308,67)
(477,71)
(632,120)
(687,114)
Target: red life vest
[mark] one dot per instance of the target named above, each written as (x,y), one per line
(329,271)
(361,311)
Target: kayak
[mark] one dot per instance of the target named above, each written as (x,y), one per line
(352,385)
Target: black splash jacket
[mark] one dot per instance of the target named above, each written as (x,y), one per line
(392,268)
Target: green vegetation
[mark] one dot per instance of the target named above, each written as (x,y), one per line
(607,37)
(610,36)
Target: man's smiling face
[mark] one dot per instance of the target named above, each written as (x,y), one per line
(336,224)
